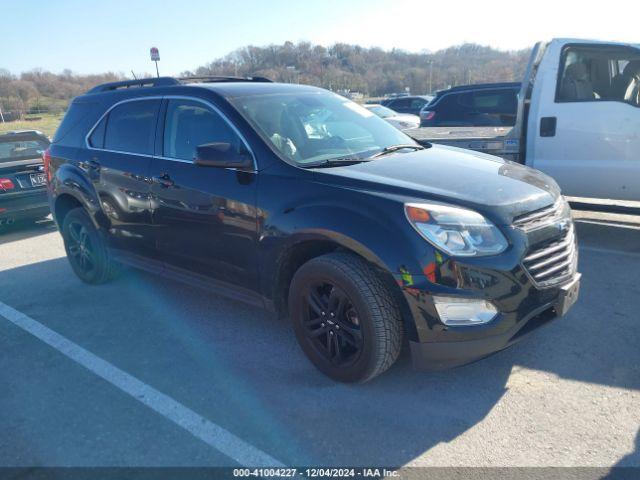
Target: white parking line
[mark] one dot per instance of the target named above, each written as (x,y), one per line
(207,431)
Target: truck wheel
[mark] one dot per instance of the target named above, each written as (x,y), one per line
(344,317)
(86,249)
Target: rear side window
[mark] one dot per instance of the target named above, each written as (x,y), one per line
(400,103)
(190,124)
(130,127)
(479,108)
(418,103)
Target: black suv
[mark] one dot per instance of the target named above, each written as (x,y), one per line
(23,194)
(480,105)
(298,200)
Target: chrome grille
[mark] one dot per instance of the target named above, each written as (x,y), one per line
(552,261)
(540,217)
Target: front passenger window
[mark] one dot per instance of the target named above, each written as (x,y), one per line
(190,124)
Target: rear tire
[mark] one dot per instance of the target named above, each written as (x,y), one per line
(86,249)
(344,317)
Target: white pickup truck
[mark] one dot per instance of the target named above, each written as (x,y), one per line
(578,119)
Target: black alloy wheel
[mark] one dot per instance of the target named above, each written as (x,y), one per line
(345,317)
(86,248)
(332,324)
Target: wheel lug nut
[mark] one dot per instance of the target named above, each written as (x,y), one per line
(333,314)
(323,314)
(331,332)
(322,324)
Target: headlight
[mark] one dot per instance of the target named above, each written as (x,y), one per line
(456,231)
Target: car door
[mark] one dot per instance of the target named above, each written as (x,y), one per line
(204,217)
(118,158)
(583,125)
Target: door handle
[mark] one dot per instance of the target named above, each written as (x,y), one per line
(164,180)
(90,164)
(548,126)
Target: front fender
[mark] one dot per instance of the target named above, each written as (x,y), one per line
(383,238)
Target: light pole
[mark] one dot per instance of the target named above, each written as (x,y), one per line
(430,77)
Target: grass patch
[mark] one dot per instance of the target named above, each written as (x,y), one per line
(47,123)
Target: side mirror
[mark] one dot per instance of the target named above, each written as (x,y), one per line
(222,155)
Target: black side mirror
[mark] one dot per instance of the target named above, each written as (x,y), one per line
(222,155)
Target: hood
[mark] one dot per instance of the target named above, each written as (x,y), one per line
(498,188)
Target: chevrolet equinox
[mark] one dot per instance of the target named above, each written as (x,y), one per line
(300,201)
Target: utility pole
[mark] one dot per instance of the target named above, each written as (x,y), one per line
(1,115)
(430,77)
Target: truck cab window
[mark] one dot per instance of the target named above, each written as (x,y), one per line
(599,73)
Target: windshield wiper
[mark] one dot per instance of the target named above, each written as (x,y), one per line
(395,148)
(334,162)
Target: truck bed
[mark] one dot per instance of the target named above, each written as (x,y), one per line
(492,140)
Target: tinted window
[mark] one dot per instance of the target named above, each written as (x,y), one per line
(190,124)
(131,127)
(400,103)
(418,103)
(75,114)
(96,140)
(477,108)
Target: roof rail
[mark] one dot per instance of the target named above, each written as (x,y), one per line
(222,78)
(142,82)
(169,81)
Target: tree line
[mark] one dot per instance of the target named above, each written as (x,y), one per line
(373,72)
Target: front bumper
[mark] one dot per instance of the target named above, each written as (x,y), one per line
(523,308)
(441,355)
(21,205)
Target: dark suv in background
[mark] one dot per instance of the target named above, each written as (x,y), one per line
(23,194)
(298,200)
(481,105)
(409,104)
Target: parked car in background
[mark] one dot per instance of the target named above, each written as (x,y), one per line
(402,121)
(481,105)
(396,95)
(358,234)
(409,104)
(577,119)
(23,192)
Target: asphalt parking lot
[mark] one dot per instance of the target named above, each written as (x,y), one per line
(147,372)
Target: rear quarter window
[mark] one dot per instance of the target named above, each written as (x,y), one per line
(76,113)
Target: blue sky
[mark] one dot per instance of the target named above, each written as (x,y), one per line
(90,36)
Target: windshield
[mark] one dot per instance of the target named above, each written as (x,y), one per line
(308,127)
(382,112)
(20,150)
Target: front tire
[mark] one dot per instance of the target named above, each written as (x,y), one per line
(344,317)
(86,249)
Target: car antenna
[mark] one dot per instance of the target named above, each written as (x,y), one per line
(134,75)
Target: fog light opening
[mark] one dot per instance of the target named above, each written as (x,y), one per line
(458,312)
